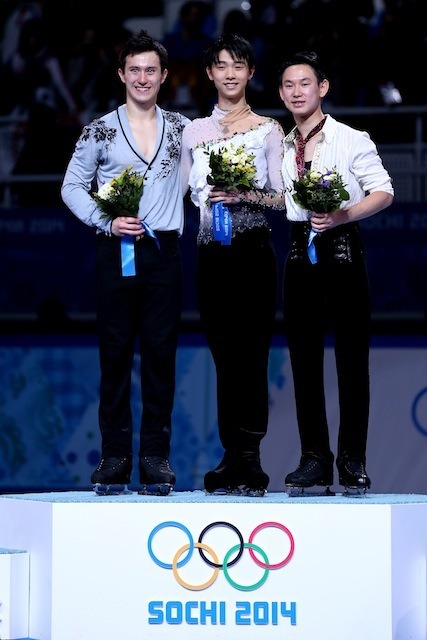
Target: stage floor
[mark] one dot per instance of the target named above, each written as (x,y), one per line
(142,567)
(278,497)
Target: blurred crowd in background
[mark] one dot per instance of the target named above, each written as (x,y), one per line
(58,70)
(59,60)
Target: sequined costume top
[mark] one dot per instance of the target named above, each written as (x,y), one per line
(265,142)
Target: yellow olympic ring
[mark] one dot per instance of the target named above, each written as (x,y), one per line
(192,587)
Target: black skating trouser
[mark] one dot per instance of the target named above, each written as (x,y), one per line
(144,308)
(330,296)
(237,295)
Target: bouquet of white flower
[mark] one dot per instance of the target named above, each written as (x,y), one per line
(320,192)
(121,196)
(232,168)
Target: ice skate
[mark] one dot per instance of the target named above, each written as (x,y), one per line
(353,477)
(312,477)
(155,476)
(220,481)
(249,476)
(112,476)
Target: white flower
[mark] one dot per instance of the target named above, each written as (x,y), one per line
(106,191)
(232,169)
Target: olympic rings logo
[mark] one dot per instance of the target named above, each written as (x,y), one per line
(231,557)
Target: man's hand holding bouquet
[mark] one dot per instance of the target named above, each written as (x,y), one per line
(121,197)
(232,170)
(319,193)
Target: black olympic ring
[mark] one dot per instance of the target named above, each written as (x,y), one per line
(220,523)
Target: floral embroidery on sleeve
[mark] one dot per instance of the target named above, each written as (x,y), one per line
(173,142)
(99,130)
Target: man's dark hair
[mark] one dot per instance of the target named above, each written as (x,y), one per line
(238,47)
(142,43)
(310,58)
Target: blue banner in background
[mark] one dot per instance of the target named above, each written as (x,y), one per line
(47,260)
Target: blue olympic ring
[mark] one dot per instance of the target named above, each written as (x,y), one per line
(170,523)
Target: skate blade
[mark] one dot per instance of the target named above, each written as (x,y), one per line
(250,492)
(156,489)
(219,492)
(111,489)
(355,492)
(308,492)
(223,491)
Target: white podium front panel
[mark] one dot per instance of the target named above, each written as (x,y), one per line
(14,594)
(136,567)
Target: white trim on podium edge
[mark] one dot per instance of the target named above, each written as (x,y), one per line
(131,568)
(14,594)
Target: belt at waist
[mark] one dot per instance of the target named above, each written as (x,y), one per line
(166,233)
(342,243)
(160,234)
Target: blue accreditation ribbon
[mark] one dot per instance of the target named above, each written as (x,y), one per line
(151,233)
(221,221)
(311,249)
(127,245)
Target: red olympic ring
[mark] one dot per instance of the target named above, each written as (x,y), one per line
(282,527)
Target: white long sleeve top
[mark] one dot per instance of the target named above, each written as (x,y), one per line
(355,157)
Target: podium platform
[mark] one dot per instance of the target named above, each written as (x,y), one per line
(209,567)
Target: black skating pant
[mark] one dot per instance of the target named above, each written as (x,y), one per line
(237,296)
(143,309)
(331,296)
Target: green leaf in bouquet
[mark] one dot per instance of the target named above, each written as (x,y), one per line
(121,196)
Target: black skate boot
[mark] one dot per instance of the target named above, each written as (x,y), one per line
(312,471)
(353,476)
(220,481)
(249,475)
(112,476)
(156,476)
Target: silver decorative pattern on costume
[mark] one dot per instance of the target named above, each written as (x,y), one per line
(243,219)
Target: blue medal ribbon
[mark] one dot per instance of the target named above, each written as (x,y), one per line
(221,220)
(127,245)
(151,233)
(311,249)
